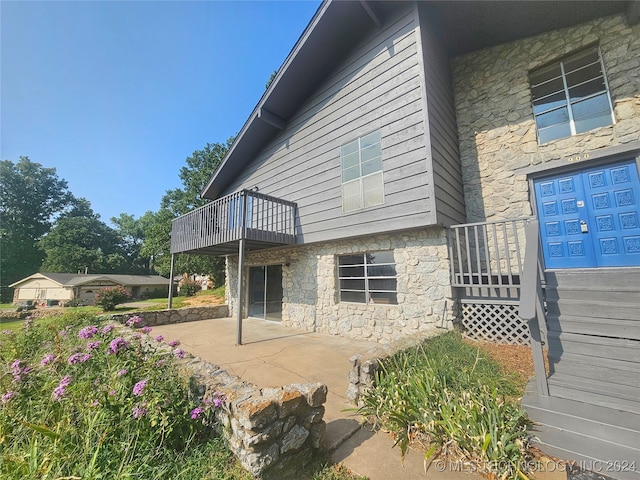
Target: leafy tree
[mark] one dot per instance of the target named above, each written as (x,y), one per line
(30,198)
(132,232)
(271,77)
(199,168)
(80,241)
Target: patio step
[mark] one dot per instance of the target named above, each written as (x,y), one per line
(600,439)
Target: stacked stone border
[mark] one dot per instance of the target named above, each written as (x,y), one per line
(362,374)
(174,315)
(274,432)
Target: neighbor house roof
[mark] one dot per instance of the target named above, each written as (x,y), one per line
(75,279)
(337,26)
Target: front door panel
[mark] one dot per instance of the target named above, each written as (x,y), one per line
(590,218)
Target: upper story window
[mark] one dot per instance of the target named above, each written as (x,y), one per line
(362,184)
(368,278)
(571,96)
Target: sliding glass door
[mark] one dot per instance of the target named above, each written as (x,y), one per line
(265,292)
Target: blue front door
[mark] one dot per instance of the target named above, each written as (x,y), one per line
(591,217)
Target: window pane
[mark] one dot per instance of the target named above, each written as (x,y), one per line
(349,148)
(553,133)
(351,173)
(581,59)
(549,103)
(370,139)
(351,271)
(592,106)
(586,89)
(372,189)
(388,284)
(380,257)
(359,297)
(351,259)
(350,160)
(554,117)
(370,152)
(584,74)
(381,271)
(547,88)
(545,74)
(351,195)
(383,298)
(351,284)
(372,166)
(595,121)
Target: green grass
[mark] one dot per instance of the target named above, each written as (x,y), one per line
(450,395)
(70,410)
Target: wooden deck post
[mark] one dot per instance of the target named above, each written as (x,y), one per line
(173,262)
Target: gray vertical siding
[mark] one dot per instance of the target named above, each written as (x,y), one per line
(442,126)
(378,87)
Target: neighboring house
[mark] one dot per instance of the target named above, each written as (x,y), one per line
(65,287)
(384,183)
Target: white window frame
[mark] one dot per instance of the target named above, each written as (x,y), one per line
(364,202)
(569,104)
(367,278)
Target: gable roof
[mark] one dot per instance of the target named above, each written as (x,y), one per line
(75,279)
(337,26)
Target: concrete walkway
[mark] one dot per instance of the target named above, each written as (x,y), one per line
(272,355)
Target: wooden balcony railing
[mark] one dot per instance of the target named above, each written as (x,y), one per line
(487,257)
(215,227)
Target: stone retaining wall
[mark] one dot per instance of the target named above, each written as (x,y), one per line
(362,374)
(274,432)
(176,315)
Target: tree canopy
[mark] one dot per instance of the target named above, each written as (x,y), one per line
(79,241)
(31,196)
(43,227)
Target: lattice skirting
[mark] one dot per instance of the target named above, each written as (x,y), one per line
(498,323)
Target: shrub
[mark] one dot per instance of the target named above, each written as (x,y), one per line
(189,288)
(446,393)
(109,297)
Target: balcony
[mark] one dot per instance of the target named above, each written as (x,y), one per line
(217,227)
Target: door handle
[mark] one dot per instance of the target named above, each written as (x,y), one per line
(584,228)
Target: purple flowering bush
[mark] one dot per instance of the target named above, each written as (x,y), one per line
(95,387)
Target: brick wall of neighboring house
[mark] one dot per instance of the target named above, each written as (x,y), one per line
(495,118)
(311,299)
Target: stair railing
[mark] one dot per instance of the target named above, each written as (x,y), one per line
(531,307)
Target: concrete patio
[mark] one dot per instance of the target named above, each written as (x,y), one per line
(272,355)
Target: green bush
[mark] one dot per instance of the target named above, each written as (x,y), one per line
(109,297)
(446,392)
(188,288)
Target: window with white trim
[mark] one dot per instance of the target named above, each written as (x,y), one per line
(368,278)
(362,184)
(571,96)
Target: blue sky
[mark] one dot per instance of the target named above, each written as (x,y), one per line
(116,95)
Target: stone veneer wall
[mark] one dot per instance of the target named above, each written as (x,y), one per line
(309,277)
(274,432)
(496,126)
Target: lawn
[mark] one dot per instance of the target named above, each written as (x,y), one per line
(453,399)
(78,400)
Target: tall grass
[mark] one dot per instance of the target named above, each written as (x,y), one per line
(446,392)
